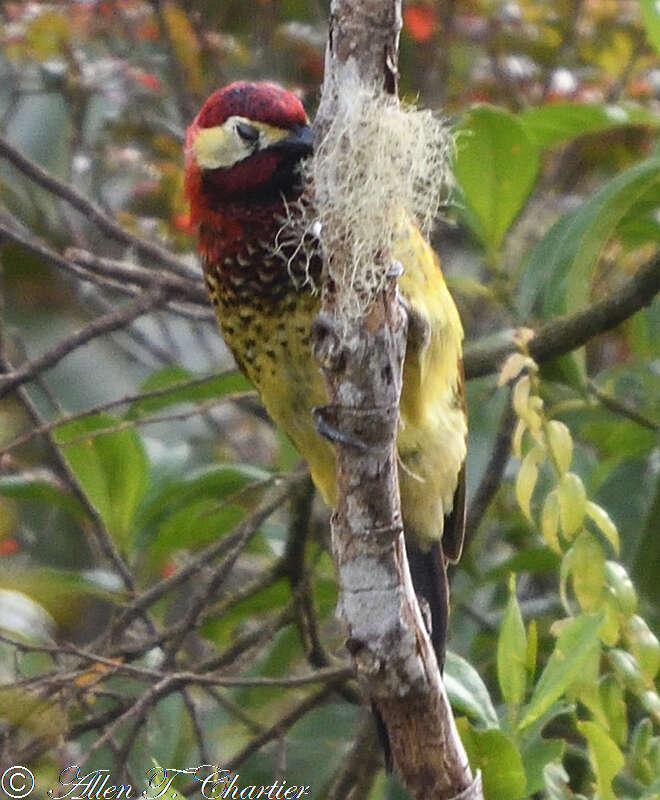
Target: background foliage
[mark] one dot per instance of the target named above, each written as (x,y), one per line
(166,596)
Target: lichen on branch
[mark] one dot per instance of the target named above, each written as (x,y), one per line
(379,165)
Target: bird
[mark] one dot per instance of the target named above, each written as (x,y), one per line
(244,153)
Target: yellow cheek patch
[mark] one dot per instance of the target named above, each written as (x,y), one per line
(217,147)
(222,146)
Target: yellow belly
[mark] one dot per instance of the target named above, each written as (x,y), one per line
(275,353)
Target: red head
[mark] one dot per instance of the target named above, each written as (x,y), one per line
(243,148)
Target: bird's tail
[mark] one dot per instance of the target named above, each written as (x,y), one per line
(429,576)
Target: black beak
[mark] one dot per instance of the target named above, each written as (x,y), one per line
(299,142)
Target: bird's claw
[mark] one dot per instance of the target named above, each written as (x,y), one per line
(326,425)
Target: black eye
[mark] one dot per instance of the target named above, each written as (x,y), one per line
(247,132)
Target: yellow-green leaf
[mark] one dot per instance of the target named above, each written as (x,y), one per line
(517,439)
(588,571)
(651,17)
(604,523)
(512,651)
(626,666)
(532,647)
(513,366)
(605,757)
(497,161)
(644,645)
(47,35)
(520,398)
(498,758)
(610,630)
(42,717)
(619,583)
(526,480)
(572,503)
(550,521)
(185,45)
(614,708)
(573,649)
(561,445)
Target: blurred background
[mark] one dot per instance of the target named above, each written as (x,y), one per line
(131,453)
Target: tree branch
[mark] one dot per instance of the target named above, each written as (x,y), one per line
(111,321)
(362,360)
(571,331)
(91,210)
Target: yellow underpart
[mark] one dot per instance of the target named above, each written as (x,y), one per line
(431,439)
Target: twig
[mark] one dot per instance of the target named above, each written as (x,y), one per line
(111,321)
(283,724)
(96,409)
(154,419)
(193,714)
(493,474)
(621,408)
(208,554)
(140,706)
(185,102)
(571,331)
(360,765)
(294,569)
(102,534)
(202,597)
(234,709)
(181,677)
(91,210)
(190,287)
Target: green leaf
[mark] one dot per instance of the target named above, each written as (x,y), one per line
(605,757)
(647,551)
(217,482)
(537,559)
(112,469)
(614,708)
(536,755)
(40,490)
(561,444)
(496,165)
(651,17)
(467,692)
(604,523)
(550,521)
(512,651)
(194,525)
(572,498)
(644,646)
(62,593)
(184,387)
(619,583)
(531,651)
(556,780)
(270,598)
(588,572)
(558,122)
(497,756)
(44,718)
(48,35)
(527,477)
(573,649)
(560,266)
